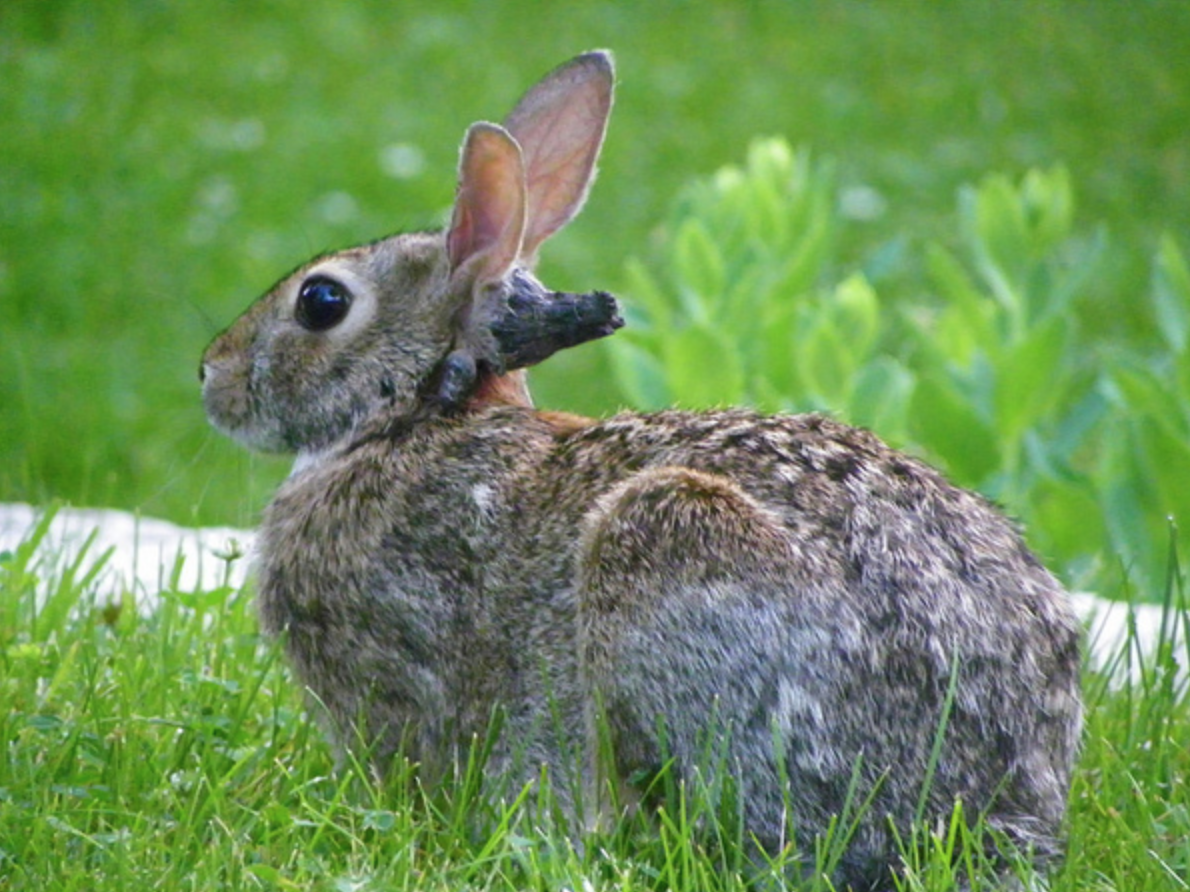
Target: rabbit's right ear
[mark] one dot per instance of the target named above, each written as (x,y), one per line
(487,226)
(560,124)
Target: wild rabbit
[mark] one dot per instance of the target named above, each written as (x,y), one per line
(822,608)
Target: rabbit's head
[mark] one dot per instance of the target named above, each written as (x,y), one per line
(397,324)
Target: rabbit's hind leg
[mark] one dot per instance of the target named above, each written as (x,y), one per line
(684,606)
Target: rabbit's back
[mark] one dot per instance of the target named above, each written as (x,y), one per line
(796,583)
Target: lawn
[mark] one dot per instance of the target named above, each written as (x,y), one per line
(173,751)
(162,164)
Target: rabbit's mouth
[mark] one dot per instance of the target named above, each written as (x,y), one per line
(236,399)
(229,409)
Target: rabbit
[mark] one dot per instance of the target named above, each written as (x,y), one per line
(846,627)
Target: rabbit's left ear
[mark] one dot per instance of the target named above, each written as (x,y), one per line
(560,124)
(487,226)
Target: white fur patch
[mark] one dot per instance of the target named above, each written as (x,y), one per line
(484,497)
(307,460)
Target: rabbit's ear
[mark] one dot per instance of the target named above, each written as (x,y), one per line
(487,225)
(560,125)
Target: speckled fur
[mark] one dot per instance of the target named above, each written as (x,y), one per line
(790,582)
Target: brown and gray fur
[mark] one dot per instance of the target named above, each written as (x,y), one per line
(788,581)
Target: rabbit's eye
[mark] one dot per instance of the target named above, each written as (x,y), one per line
(322,303)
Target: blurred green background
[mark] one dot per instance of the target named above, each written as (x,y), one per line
(161,164)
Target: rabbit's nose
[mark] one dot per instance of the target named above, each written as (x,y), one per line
(202,373)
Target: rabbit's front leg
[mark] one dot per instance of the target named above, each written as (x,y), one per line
(685,598)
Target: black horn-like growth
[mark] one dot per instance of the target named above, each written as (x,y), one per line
(536,323)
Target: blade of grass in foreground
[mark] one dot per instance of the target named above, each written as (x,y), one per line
(174,751)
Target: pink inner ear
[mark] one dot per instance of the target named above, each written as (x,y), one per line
(560,125)
(488,223)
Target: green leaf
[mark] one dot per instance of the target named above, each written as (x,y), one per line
(745,302)
(775,358)
(642,289)
(1145,394)
(1171,294)
(1049,205)
(770,162)
(1065,437)
(805,264)
(880,398)
(826,362)
(1065,281)
(996,233)
(947,424)
(1143,481)
(702,369)
(857,313)
(970,309)
(1128,521)
(639,374)
(203,599)
(1065,519)
(768,215)
(724,208)
(1029,378)
(768,398)
(1169,469)
(698,267)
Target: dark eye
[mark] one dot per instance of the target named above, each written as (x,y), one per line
(322,303)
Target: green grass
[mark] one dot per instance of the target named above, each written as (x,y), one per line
(161,164)
(173,752)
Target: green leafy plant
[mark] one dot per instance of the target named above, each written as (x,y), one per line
(734,309)
(1004,399)
(986,374)
(1144,469)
